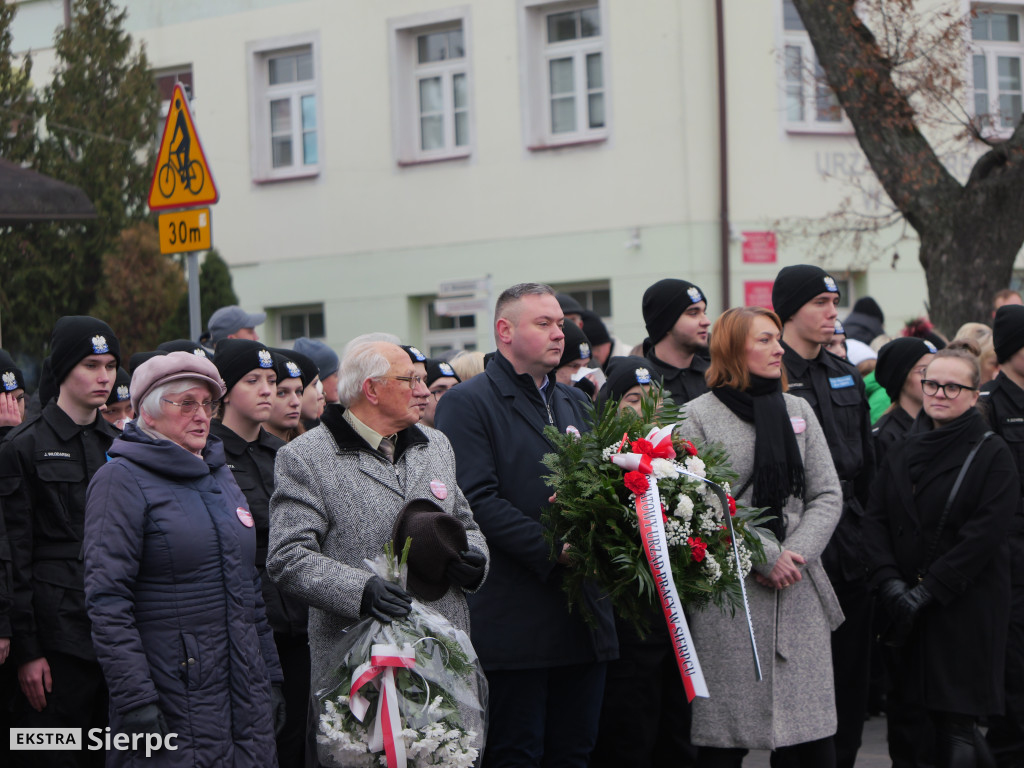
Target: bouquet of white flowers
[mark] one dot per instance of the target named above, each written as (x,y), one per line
(412,689)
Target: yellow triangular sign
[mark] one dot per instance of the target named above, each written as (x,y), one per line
(182,177)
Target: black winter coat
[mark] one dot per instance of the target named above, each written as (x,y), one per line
(955,654)
(520,616)
(175,601)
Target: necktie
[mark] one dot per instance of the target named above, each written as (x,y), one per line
(387,447)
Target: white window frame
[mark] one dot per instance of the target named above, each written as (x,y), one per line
(810,84)
(992,50)
(406,72)
(536,52)
(451,338)
(258,54)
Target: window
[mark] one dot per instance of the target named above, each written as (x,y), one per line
(996,68)
(431,86)
(296,322)
(566,90)
(285,115)
(809,104)
(165,82)
(596,297)
(445,333)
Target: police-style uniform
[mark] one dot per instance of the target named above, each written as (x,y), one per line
(683,384)
(836,392)
(46,464)
(1002,401)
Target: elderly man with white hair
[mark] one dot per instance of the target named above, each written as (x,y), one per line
(345,488)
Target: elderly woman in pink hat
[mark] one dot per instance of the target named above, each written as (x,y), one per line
(178,619)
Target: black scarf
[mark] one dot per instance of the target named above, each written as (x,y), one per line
(927,442)
(778,468)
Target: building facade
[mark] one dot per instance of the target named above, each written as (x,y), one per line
(368,152)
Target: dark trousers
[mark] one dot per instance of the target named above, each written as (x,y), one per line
(294,655)
(1006,731)
(78,700)
(811,754)
(543,717)
(645,717)
(911,735)
(851,664)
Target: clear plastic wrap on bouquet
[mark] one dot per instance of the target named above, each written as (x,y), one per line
(409,692)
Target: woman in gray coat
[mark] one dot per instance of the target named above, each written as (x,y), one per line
(779,452)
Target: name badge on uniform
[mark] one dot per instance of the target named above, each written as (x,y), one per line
(1014,420)
(796,385)
(841,382)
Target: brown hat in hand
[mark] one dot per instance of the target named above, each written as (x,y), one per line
(437,539)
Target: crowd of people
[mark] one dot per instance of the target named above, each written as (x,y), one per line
(184,533)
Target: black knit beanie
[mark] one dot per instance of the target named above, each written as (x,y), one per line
(11,377)
(286,368)
(577,347)
(236,357)
(414,354)
(74,338)
(663,304)
(305,363)
(121,390)
(595,329)
(439,369)
(183,345)
(796,285)
(624,373)
(896,359)
(868,306)
(1008,331)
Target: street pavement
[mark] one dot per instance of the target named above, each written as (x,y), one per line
(874,751)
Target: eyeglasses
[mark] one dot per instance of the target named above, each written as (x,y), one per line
(438,392)
(188,407)
(950,390)
(413,381)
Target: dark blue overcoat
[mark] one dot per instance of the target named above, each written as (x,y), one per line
(175,602)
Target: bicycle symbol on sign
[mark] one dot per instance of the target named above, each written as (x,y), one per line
(179,166)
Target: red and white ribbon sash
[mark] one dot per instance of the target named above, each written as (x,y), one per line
(386,731)
(652,531)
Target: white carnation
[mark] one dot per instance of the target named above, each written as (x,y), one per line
(663,468)
(684,508)
(695,466)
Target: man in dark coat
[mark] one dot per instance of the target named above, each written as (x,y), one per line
(805,298)
(1003,398)
(45,467)
(675,313)
(545,666)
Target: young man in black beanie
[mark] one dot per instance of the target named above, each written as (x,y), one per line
(675,313)
(806,298)
(45,467)
(1003,398)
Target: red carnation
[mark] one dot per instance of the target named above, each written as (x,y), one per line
(690,448)
(697,548)
(732,504)
(637,482)
(645,447)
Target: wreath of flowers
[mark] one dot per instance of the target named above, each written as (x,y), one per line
(594,512)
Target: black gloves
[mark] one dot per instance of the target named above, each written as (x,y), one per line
(277,708)
(383,600)
(903,610)
(890,591)
(145,719)
(468,571)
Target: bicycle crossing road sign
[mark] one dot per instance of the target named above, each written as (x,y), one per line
(182,177)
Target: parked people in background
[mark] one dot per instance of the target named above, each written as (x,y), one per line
(866,321)
(233,322)
(440,378)
(174,598)
(545,666)
(805,298)
(118,408)
(601,341)
(327,362)
(781,455)
(937,531)
(45,467)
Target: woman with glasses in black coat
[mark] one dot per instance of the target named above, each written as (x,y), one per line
(936,536)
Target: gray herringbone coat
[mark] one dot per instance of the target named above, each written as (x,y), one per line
(795,702)
(334,504)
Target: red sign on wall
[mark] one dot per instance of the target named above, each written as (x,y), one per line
(758,293)
(759,248)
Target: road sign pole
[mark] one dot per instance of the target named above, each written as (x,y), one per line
(195,322)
